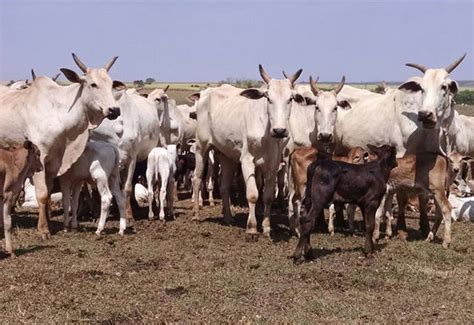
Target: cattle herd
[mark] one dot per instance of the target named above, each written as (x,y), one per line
(340,149)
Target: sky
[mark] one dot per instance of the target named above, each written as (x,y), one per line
(211,40)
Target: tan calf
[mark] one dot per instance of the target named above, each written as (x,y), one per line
(16,164)
(424,174)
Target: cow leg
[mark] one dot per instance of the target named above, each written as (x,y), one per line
(128,189)
(443,212)
(150,179)
(225,180)
(164,174)
(369,217)
(201,157)
(114,183)
(268,196)
(248,171)
(402,200)
(6,204)
(101,179)
(424,223)
(43,184)
(384,209)
(76,192)
(66,193)
(210,181)
(307,221)
(351,209)
(170,197)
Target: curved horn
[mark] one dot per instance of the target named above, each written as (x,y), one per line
(56,77)
(264,74)
(420,67)
(33,74)
(312,83)
(338,88)
(295,77)
(79,63)
(166,89)
(284,74)
(111,62)
(453,65)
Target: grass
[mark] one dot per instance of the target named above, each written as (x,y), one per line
(185,271)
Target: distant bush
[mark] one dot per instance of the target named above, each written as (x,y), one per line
(242,83)
(149,81)
(465,97)
(138,83)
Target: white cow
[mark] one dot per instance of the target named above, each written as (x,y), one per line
(99,164)
(409,118)
(136,132)
(58,120)
(252,128)
(161,165)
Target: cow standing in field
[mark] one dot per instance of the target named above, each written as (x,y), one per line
(16,164)
(161,166)
(58,119)
(99,165)
(341,183)
(251,127)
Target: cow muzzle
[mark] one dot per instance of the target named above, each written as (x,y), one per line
(325,137)
(114,112)
(427,118)
(279,133)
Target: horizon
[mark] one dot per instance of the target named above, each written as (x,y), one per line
(208,41)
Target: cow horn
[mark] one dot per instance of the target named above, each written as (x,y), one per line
(79,63)
(453,65)
(420,67)
(166,88)
(338,88)
(111,62)
(264,74)
(295,77)
(312,83)
(284,74)
(33,74)
(56,77)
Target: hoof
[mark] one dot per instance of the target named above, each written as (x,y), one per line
(45,235)
(331,233)
(196,218)
(251,237)
(446,244)
(212,204)
(298,260)
(402,234)
(430,238)
(98,233)
(121,232)
(151,218)
(227,221)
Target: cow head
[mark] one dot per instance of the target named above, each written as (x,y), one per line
(459,165)
(279,95)
(386,153)
(437,92)
(326,106)
(96,90)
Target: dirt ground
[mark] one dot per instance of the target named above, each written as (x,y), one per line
(186,271)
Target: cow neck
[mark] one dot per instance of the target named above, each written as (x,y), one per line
(74,116)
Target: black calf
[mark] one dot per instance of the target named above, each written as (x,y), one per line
(341,182)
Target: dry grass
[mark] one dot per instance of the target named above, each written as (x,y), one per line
(186,271)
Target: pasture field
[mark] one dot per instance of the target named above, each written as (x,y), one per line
(186,271)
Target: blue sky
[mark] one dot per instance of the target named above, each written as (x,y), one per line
(213,40)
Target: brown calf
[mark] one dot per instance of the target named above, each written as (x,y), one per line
(299,162)
(16,164)
(423,174)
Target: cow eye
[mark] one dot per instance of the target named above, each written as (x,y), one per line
(317,108)
(290,100)
(93,85)
(335,109)
(270,101)
(444,88)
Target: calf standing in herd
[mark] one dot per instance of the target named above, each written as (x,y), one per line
(341,183)
(161,165)
(16,164)
(98,164)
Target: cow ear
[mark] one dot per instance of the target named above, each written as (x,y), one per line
(410,86)
(194,97)
(344,104)
(309,100)
(453,87)
(299,99)
(253,93)
(466,158)
(72,76)
(28,145)
(144,95)
(118,85)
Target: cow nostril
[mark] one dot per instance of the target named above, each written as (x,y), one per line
(279,132)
